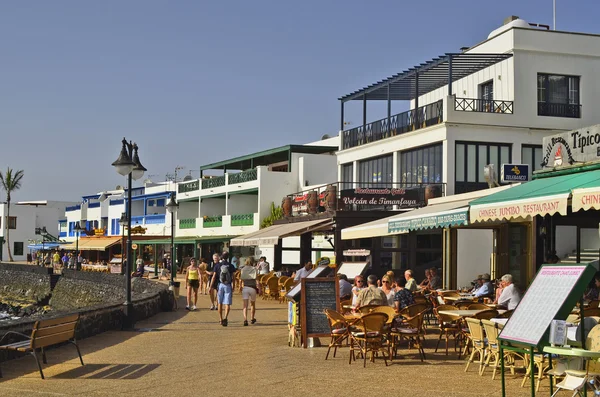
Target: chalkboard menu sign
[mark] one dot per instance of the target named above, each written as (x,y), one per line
(552,295)
(318,294)
(320,271)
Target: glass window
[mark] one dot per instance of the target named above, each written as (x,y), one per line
(375,171)
(481,163)
(12,222)
(474,156)
(421,165)
(558,95)
(486,91)
(471,163)
(18,248)
(347,175)
(460,162)
(532,155)
(504,156)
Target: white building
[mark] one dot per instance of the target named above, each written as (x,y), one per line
(237,195)
(25,218)
(506,93)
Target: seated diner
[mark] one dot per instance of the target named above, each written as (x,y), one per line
(371,295)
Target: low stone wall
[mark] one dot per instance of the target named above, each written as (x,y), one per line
(103,311)
(24,282)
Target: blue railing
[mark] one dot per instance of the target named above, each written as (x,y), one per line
(93,205)
(73,208)
(155,219)
(137,219)
(117,202)
(62,234)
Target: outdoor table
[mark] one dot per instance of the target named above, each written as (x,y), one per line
(501,321)
(459,298)
(464,313)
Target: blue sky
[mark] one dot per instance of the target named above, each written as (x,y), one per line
(195,82)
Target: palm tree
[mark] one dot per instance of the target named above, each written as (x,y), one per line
(10,181)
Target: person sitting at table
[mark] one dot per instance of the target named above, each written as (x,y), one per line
(403,296)
(359,285)
(435,282)
(510,296)
(476,284)
(486,289)
(345,287)
(411,283)
(425,282)
(388,290)
(593,292)
(371,295)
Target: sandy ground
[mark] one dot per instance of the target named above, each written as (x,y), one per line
(185,353)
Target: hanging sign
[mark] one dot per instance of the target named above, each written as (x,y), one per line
(401,197)
(514,173)
(571,147)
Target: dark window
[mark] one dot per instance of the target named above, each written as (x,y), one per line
(18,248)
(347,177)
(12,222)
(486,96)
(558,96)
(376,171)
(422,165)
(472,157)
(532,155)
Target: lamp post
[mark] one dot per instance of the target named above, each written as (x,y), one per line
(172,207)
(77,229)
(128,164)
(123,224)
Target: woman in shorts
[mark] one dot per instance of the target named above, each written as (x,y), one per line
(203,276)
(248,275)
(192,280)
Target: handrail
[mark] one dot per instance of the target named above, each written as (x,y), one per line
(483,105)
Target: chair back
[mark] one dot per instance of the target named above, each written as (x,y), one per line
(282,280)
(414,309)
(273,284)
(445,318)
(450,294)
(367,309)
(372,322)
(336,320)
(288,284)
(416,321)
(492,330)
(387,310)
(462,305)
(486,314)
(478,306)
(475,329)
(346,302)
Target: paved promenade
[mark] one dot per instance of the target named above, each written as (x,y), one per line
(189,354)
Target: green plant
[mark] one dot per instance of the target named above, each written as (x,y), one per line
(10,182)
(276,213)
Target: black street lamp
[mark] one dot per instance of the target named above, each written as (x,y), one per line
(123,224)
(77,229)
(172,207)
(128,164)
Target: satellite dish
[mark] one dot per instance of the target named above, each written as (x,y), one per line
(119,187)
(326,136)
(187,178)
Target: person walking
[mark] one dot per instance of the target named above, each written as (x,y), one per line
(222,278)
(214,282)
(192,281)
(248,275)
(203,276)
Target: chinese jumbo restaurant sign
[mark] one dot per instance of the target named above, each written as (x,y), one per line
(521,208)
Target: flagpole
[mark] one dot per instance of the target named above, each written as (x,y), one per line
(554,14)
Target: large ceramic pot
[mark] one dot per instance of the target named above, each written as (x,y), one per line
(331,198)
(286,206)
(312,202)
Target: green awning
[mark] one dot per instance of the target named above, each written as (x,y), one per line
(187,240)
(542,196)
(453,213)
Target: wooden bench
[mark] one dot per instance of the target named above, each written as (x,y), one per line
(45,333)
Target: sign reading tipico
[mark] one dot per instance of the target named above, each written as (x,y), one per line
(566,148)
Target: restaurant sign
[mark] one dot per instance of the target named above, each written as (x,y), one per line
(449,218)
(585,199)
(566,148)
(511,173)
(547,205)
(401,197)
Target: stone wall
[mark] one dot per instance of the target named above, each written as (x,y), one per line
(24,283)
(104,310)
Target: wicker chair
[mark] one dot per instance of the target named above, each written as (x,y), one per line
(486,314)
(448,326)
(411,329)
(339,328)
(368,336)
(367,308)
(478,306)
(285,288)
(492,330)
(477,342)
(271,288)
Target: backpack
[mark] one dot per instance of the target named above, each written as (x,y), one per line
(225,276)
(248,273)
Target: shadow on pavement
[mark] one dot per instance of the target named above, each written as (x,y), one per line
(108,371)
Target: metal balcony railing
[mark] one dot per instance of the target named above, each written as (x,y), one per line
(155,219)
(189,223)
(215,181)
(483,105)
(397,124)
(245,176)
(213,221)
(559,110)
(188,187)
(242,220)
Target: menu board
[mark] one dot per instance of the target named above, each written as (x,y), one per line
(320,271)
(318,294)
(352,269)
(552,295)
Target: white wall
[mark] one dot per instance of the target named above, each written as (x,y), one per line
(590,239)
(566,240)
(212,207)
(474,249)
(317,169)
(242,204)
(187,210)
(273,187)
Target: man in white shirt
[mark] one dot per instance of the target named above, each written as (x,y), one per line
(263,266)
(486,289)
(510,296)
(303,272)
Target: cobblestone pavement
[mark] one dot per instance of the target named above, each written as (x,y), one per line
(189,354)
